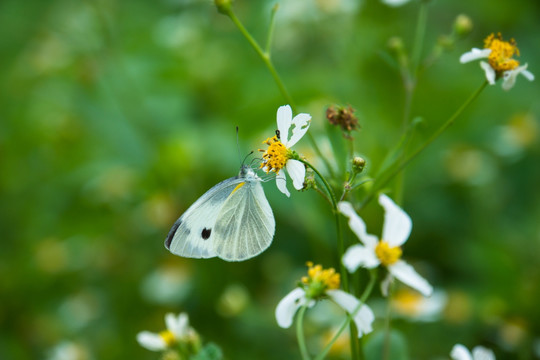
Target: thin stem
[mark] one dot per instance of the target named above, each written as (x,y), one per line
(341,249)
(387,322)
(300,333)
(396,170)
(271,29)
(265,57)
(419,37)
(363,298)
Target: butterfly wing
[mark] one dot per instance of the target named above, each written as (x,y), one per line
(193,235)
(245,224)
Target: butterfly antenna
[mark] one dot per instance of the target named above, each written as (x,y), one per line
(238,145)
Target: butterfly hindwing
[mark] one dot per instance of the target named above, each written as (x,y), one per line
(192,235)
(245,225)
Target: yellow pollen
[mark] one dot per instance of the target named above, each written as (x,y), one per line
(168,337)
(238,187)
(326,277)
(502,52)
(387,255)
(276,156)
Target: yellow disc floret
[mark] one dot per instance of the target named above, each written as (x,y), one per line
(319,280)
(502,52)
(168,337)
(276,156)
(387,254)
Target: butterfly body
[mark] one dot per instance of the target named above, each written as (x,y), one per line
(233,221)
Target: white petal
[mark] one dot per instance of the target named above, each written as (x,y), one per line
(151,341)
(358,255)
(297,171)
(482,353)
(288,306)
(528,75)
(407,275)
(511,75)
(284,121)
(397,224)
(460,352)
(178,325)
(363,318)
(385,284)
(301,125)
(474,54)
(281,182)
(490,73)
(357,225)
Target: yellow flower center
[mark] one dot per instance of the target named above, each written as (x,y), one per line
(323,279)
(276,156)
(407,302)
(168,337)
(387,254)
(502,52)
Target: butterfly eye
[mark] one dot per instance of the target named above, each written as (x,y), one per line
(278,134)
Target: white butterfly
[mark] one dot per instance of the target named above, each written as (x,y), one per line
(232,221)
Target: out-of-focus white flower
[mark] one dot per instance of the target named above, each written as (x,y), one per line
(279,155)
(319,284)
(460,352)
(178,330)
(408,303)
(386,251)
(395,3)
(500,62)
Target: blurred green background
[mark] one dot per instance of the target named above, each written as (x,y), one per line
(116,115)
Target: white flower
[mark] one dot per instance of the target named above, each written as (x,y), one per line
(178,329)
(289,305)
(460,352)
(395,3)
(279,156)
(500,61)
(373,252)
(319,284)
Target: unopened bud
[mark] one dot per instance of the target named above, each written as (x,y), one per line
(223,6)
(463,25)
(358,164)
(396,44)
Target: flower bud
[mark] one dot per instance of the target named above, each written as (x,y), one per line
(223,6)
(358,164)
(396,44)
(463,25)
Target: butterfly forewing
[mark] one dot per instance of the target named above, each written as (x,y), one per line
(193,234)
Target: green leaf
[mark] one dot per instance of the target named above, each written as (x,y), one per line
(375,346)
(209,352)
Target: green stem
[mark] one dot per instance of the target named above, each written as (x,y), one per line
(387,323)
(396,170)
(341,250)
(300,333)
(265,57)
(419,36)
(271,29)
(363,298)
